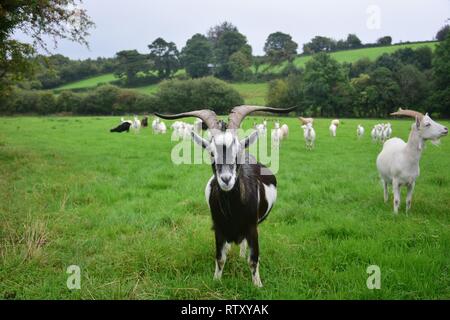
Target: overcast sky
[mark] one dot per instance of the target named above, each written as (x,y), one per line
(133,24)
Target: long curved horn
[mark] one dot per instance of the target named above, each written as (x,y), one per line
(408,113)
(207,116)
(238,114)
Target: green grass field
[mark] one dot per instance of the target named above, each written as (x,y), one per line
(89,82)
(71,193)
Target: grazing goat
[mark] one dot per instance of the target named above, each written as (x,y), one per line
(261,128)
(360,131)
(277,134)
(241,192)
(336,122)
(285,131)
(136,125)
(333,128)
(158,126)
(310,135)
(386,132)
(306,120)
(398,161)
(124,126)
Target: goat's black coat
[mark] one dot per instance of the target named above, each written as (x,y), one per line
(144,122)
(124,126)
(237,212)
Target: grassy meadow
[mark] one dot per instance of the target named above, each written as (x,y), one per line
(71,193)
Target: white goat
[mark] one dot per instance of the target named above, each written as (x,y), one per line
(261,128)
(387,132)
(277,134)
(136,124)
(336,122)
(398,162)
(360,131)
(158,126)
(310,135)
(306,120)
(333,128)
(285,131)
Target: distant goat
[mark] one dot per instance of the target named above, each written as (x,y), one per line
(124,126)
(360,131)
(333,128)
(310,135)
(144,122)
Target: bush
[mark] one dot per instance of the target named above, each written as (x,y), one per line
(68,101)
(100,101)
(179,96)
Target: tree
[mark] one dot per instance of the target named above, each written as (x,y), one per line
(239,65)
(214,33)
(165,57)
(413,85)
(130,63)
(228,44)
(385,41)
(441,75)
(197,55)
(443,33)
(321,78)
(319,44)
(383,92)
(57,19)
(353,41)
(280,47)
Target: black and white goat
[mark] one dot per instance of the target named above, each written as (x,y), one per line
(241,192)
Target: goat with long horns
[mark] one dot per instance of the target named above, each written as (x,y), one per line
(398,162)
(241,192)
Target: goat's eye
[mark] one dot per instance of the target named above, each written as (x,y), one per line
(428,124)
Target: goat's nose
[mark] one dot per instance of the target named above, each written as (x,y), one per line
(226,179)
(445,130)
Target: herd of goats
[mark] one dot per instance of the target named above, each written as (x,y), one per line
(240,194)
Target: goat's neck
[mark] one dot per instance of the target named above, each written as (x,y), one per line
(414,145)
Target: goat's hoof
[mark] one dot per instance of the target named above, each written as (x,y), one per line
(257,283)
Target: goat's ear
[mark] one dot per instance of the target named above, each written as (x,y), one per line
(199,140)
(247,141)
(417,122)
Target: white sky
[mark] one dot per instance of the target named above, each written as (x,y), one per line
(133,24)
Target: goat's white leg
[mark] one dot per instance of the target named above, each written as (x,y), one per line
(409,195)
(222,248)
(243,248)
(396,190)
(253,258)
(386,191)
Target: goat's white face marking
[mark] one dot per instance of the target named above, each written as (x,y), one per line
(431,130)
(225,148)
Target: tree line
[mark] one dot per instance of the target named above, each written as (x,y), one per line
(223,52)
(417,79)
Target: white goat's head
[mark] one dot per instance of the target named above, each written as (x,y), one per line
(225,148)
(427,128)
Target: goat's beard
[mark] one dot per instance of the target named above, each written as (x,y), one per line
(436,142)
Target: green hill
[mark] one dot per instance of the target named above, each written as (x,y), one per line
(254,93)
